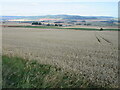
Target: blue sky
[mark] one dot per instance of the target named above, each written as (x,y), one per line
(54,7)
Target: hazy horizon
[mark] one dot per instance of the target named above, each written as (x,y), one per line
(72,7)
(56,14)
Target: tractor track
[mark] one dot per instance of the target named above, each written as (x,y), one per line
(100,39)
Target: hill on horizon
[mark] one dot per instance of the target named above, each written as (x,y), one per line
(62,17)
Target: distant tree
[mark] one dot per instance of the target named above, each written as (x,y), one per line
(84,22)
(60,24)
(101,29)
(48,24)
(39,23)
(35,23)
(56,24)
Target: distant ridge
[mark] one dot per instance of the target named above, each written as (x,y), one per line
(68,17)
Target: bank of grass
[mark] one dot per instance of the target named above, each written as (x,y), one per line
(56,27)
(93,29)
(90,29)
(20,73)
(43,27)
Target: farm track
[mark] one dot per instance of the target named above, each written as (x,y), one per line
(93,54)
(100,39)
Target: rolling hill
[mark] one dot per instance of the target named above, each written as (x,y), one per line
(62,17)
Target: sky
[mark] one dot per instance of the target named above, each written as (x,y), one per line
(55,7)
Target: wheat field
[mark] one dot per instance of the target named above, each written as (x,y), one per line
(93,54)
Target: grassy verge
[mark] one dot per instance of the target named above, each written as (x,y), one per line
(93,29)
(20,73)
(43,27)
(56,27)
(85,29)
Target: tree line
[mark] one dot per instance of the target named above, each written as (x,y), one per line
(39,23)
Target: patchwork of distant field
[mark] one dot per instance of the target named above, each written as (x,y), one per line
(74,27)
(93,54)
(16,24)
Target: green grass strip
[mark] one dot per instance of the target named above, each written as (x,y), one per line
(21,73)
(56,27)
